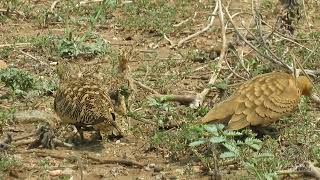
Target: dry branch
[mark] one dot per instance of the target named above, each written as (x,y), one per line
(15,45)
(276,60)
(183,99)
(145,86)
(125,162)
(310,170)
(212,16)
(200,97)
(57,155)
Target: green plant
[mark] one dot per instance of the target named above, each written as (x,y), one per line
(177,141)
(5,52)
(6,115)
(44,163)
(88,44)
(241,146)
(157,103)
(7,162)
(21,82)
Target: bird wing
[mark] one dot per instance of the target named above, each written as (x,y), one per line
(264,99)
(83,102)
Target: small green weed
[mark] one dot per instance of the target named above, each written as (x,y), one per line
(240,146)
(21,82)
(177,141)
(44,163)
(7,162)
(71,45)
(6,115)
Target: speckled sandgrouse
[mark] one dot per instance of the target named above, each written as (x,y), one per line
(260,101)
(83,102)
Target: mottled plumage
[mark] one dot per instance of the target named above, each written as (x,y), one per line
(83,102)
(260,101)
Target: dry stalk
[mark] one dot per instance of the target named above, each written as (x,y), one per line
(212,16)
(200,97)
(276,60)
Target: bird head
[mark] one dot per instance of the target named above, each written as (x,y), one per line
(305,85)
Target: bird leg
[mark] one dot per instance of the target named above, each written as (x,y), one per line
(97,136)
(80,131)
(265,130)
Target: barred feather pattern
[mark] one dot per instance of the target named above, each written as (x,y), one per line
(261,100)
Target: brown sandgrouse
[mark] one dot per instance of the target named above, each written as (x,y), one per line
(83,102)
(260,101)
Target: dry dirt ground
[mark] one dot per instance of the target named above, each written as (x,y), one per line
(34,35)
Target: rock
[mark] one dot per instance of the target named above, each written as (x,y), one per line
(158,169)
(196,169)
(55,172)
(179,171)
(147,168)
(3,64)
(67,171)
(35,116)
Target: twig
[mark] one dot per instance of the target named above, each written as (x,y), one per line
(126,162)
(290,39)
(276,61)
(87,1)
(306,16)
(166,38)
(21,143)
(183,99)
(55,140)
(42,153)
(15,45)
(145,86)
(314,170)
(200,97)
(32,57)
(53,5)
(310,170)
(24,137)
(14,12)
(234,72)
(315,98)
(212,16)
(56,155)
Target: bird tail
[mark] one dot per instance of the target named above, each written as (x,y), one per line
(221,111)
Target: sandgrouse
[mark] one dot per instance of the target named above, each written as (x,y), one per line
(260,101)
(83,102)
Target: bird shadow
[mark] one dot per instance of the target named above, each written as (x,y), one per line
(92,144)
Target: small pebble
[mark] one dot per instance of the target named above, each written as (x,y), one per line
(159,177)
(173,177)
(147,168)
(158,169)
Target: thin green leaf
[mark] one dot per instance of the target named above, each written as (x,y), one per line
(217,139)
(228,155)
(196,143)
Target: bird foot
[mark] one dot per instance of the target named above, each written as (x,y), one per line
(114,137)
(266,130)
(96,136)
